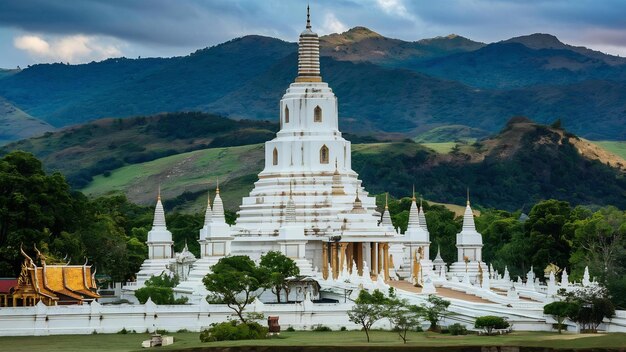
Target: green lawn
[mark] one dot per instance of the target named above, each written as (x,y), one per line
(616,147)
(131,342)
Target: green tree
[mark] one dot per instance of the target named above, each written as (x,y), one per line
(35,208)
(560,310)
(403,316)
(435,309)
(600,243)
(592,306)
(544,229)
(368,309)
(490,322)
(159,289)
(235,281)
(279,268)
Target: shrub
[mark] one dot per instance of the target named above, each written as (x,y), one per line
(457,329)
(123,331)
(560,310)
(343,328)
(490,322)
(321,328)
(290,329)
(229,331)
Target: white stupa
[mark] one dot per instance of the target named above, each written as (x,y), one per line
(160,246)
(469,244)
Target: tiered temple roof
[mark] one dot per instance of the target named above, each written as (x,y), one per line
(53,284)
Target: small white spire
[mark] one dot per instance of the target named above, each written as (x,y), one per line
(414,221)
(386,217)
(159,213)
(208,215)
(218,206)
(422,216)
(468,218)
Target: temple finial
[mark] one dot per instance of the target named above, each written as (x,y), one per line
(159,192)
(357,195)
(421,200)
(308,17)
(217,189)
(413,193)
(386,200)
(468,198)
(290,190)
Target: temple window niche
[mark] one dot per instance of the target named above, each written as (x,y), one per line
(275,157)
(286,114)
(317,114)
(324,155)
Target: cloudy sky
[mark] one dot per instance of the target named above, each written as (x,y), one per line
(77,31)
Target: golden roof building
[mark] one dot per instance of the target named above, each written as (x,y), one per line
(52,284)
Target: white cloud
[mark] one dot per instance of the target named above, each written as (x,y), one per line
(394,7)
(73,49)
(332,24)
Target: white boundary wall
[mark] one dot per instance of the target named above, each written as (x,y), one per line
(87,319)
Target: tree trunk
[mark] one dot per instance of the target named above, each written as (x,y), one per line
(367,333)
(277,288)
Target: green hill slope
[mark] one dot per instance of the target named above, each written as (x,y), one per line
(94,148)
(525,163)
(16,124)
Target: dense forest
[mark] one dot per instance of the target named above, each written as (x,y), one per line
(39,208)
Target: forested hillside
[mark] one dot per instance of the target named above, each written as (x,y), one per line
(185,153)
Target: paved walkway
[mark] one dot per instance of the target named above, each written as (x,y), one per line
(441,291)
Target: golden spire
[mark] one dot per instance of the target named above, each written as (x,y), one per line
(468,198)
(386,200)
(217,189)
(159,192)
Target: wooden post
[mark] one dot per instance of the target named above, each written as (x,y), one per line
(374,266)
(359,257)
(386,260)
(343,258)
(324,260)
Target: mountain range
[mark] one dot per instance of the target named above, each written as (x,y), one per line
(384,85)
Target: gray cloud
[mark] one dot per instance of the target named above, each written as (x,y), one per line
(164,25)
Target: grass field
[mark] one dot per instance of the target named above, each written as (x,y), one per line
(131,342)
(440,147)
(194,171)
(616,147)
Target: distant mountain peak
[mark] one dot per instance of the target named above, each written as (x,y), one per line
(353,35)
(538,41)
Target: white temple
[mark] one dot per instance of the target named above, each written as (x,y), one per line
(309,204)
